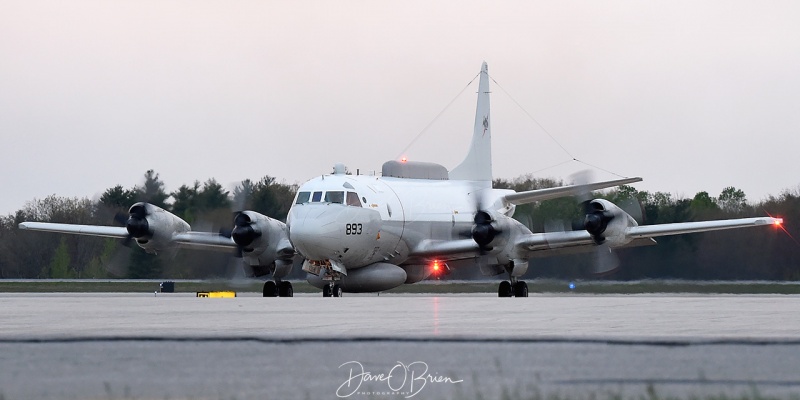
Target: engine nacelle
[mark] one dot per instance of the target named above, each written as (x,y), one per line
(153,227)
(264,241)
(371,278)
(491,230)
(607,223)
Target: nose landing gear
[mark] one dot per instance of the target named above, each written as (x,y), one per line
(332,290)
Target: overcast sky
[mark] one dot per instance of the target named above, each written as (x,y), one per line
(689,95)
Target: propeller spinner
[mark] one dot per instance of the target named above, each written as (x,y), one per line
(137,225)
(243,233)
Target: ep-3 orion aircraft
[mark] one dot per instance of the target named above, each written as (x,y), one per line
(369,233)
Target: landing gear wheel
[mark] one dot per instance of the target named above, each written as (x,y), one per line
(270,289)
(521,289)
(337,291)
(505,289)
(285,289)
(326,290)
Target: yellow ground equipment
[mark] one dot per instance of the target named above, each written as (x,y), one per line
(216,294)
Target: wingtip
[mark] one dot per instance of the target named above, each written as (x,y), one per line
(769,221)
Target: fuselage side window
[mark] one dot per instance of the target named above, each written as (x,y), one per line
(302,197)
(316,197)
(352,199)
(334,197)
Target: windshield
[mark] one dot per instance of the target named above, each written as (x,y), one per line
(352,199)
(303,197)
(334,197)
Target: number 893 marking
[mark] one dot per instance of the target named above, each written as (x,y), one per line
(352,229)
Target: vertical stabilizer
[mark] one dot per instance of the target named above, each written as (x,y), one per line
(477,166)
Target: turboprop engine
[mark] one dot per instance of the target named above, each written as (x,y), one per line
(371,278)
(490,231)
(263,241)
(607,223)
(153,227)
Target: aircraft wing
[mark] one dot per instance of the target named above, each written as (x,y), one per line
(206,240)
(90,230)
(637,235)
(434,248)
(702,226)
(563,191)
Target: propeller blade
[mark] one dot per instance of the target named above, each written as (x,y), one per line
(118,263)
(633,207)
(482,232)
(121,218)
(605,260)
(595,221)
(235,274)
(582,179)
(228,233)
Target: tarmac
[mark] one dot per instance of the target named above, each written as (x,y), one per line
(176,346)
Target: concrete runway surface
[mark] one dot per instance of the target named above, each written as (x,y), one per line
(176,346)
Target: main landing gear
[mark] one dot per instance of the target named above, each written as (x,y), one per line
(515,288)
(280,288)
(331,290)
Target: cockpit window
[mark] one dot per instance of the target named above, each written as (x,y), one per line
(334,197)
(316,197)
(302,197)
(352,199)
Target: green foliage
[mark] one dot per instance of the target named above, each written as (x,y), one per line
(185,205)
(144,266)
(733,200)
(242,194)
(191,202)
(95,270)
(213,196)
(118,197)
(153,190)
(269,197)
(527,182)
(58,209)
(59,267)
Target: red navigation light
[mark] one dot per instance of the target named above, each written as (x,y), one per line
(778,221)
(404,159)
(436,266)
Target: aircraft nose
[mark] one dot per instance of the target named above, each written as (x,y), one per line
(329,231)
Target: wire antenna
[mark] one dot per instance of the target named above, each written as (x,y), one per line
(567,152)
(425,129)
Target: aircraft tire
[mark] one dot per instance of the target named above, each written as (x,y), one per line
(285,289)
(337,291)
(270,289)
(521,289)
(505,289)
(326,290)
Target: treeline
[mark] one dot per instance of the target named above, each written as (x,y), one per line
(206,206)
(758,253)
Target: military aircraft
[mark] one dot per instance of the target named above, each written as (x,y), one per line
(370,233)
